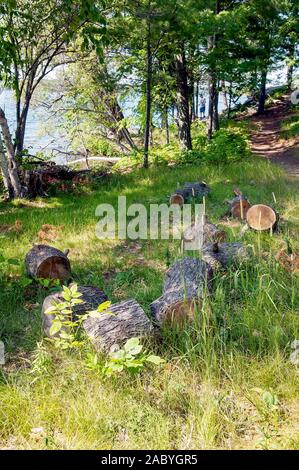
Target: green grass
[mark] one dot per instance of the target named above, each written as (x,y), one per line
(290,126)
(212,391)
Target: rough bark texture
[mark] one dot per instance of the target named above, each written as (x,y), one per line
(4,170)
(92,297)
(263,93)
(17,189)
(183,288)
(184,124)
(222,255)
(46,262)
(125,320)
(199,234)
(261,217)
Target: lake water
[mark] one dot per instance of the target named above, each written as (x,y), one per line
(43,135)
(40,130)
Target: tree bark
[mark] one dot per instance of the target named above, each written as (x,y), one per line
(46,262)
(183,290)
(148,94)
(123,321)
(4,170)
(213,124)
(11,161)
(290,67)
(184,124)
(262,97)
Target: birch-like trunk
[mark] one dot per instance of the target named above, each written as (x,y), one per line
(11,161)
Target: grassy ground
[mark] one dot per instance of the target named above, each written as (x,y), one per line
(227,382)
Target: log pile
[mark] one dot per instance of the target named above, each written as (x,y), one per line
(201,233)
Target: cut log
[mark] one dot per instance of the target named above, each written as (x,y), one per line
(222,255)
(92,297)
(199,234)
(176,199)
(183,290)
(125,320)
(239,205)
(46,262)
(261,217)
(196,189)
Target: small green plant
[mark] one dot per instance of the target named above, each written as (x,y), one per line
(66,326)
(130,358)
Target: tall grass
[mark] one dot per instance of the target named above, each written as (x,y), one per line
(227,382)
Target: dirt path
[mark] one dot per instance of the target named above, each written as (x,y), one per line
(266,141)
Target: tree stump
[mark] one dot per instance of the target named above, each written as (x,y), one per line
(92,297)
(125,320)
(239,206)
(183,289)
(222,255)
(261,217)
(46,262)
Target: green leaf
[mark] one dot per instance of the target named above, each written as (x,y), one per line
(131,344)
(155,360)
(55,328)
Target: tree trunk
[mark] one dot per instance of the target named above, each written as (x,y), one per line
(213,82)
(122,321)
(46,262)
(290,67)
(262,97)
(148,95)
(91,298)
(184,125)
(4,170)
(166,126)
(11,164)
(183,290)
(223,255)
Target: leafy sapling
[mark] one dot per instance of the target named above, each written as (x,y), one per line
(66,326)
(131,358)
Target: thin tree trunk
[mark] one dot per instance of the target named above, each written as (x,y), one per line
(12,164)
(213,89)
(290,67)
(262,98)
(166,127)
(224,91)
(4,170)
(196,99)
(184,125)
(148,94)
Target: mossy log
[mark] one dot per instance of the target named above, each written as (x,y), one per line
(122,321)
(47,262)
(91,298)
(183,290)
